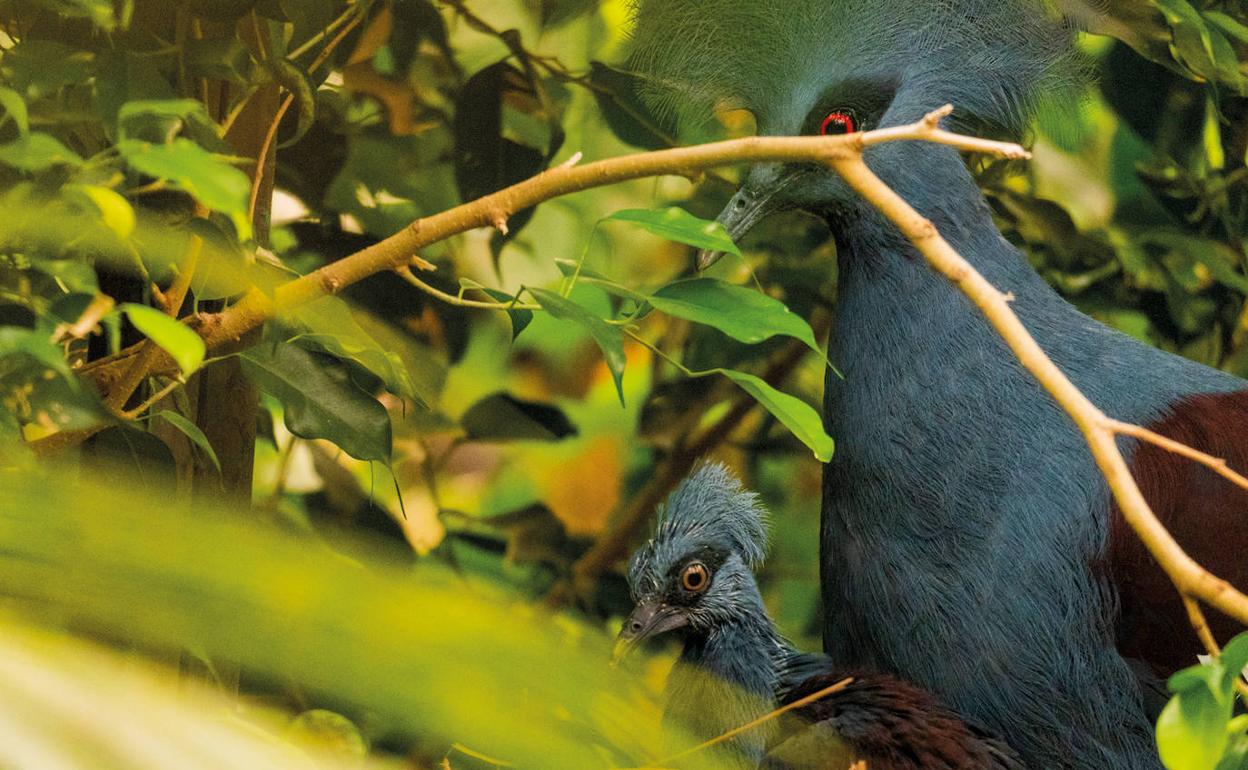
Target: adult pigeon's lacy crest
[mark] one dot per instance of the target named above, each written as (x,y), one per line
(993,59)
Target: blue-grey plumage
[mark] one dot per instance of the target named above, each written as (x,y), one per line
(693,579)
(968,539)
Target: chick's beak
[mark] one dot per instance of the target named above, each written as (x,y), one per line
(758,197)
(648,620)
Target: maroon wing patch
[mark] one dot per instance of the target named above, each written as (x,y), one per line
(1208,516)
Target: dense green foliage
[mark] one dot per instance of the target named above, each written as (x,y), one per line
(520,406)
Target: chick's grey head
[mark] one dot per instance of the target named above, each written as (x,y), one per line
(695,574)
(835,66)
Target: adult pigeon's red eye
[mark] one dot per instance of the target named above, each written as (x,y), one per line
(838,122)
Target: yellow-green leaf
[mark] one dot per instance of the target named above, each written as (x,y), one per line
(795,414)
(177,339)
(676,224)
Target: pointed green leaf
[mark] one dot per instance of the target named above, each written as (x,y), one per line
(187,166)
(679,225)
(569,268)
(608,337)
(320,401)
(192,432)
(331,325)
(1191,731)
(175,338)
(178,109)
(743,314)
(796,415)
(37,152)
(520,319)
(14,109)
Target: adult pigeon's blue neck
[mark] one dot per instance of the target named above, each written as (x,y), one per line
(724,679)
(954,524)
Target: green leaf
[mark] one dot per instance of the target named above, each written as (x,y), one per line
(503,417)
(99,12)
(295,80)
(175,338)
(115,211)
(1191,731)
(1234,659)
(320,401)
(520,319)
(1228,25)
(584,275)
(676,224)
(795,414)
(187,166)
(14,109)
(176,109)
(618,93)
(37,152)
(743,314)
(331,324)
(192,432)
(608,337)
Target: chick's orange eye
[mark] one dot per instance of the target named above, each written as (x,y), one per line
(695,577)
(838,122)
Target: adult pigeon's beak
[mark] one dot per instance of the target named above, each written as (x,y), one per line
(648,620)
(758,197)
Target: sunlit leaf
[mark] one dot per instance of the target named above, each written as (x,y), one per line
(72,703)
(676,224)
(14,109)
(426,653)
(37,152)
(175,338)
(1191,731)
(115,211)
(795,414)
(99,12)
(743,314)
(187,166)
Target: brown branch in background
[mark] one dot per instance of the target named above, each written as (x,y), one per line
(254,308)
(271,134)
(614,542)
(173,299)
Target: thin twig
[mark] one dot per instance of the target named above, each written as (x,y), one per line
(406,274)
(140,367)
(96,309)
(797,704)
(1196,616)
(311,42)
(1215,464)
(270,135)
(151,401)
